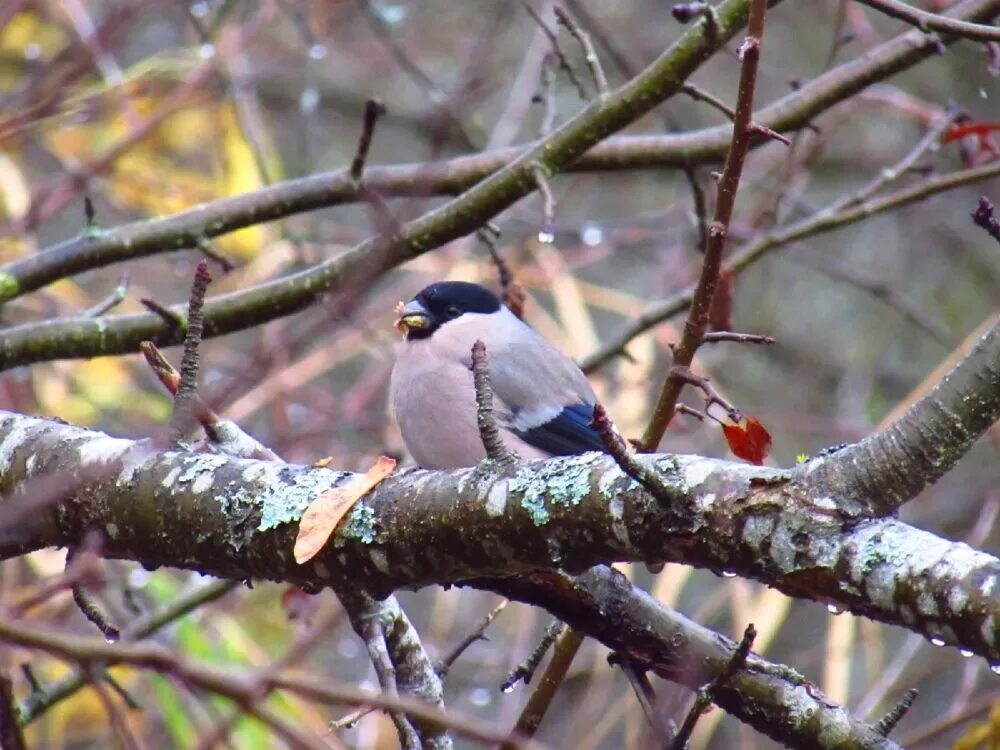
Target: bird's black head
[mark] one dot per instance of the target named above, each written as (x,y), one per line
(439,303)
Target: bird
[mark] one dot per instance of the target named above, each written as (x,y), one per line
(542,403)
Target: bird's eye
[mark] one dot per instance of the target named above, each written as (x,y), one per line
(452,311)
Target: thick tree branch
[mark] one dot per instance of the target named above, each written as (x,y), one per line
(236,518)
(929,22)
(889,468)
(772,698)
(401,664)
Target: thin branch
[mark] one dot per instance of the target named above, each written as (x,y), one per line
(402,666)
(750,253)
(369,629)
(112,301)
(511,292)
(557,51)
(589,55)
(525,671)
(183,230)
(687,12)
(566,648)
(238,684)
(911,310)
(373,110)
(493,443)
(546,232)
(616,446)
(928,22)
(888,722)
(701,304)
(210,251)
(706,695)
(225,435)
(715,337)
(173,319)
(663,727)
(44,698)
(187,386)
(86,604)
(443,665)
(983,217)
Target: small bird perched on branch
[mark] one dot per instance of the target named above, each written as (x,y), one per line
(542,402)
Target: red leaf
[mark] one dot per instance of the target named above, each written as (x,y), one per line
(979,129)
(748,439)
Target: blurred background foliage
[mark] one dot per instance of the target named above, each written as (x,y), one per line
(153,107)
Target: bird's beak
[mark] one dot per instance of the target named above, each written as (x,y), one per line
(412,316)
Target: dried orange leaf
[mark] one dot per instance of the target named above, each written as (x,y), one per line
(326,511)
(748,439)
(322,463)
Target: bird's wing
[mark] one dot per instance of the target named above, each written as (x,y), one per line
(548,401)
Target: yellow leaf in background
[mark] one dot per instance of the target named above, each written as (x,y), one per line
(15,195)
(189,131)
(28,35)
(326,511)
(240,174)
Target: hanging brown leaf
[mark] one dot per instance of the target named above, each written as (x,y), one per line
(326,511)
(748,439)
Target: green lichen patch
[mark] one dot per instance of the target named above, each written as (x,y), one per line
(9,287)
(560,481)
(360,525)
(285,501)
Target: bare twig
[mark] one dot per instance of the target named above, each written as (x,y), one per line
(663,727)
(187,387)
(174,321)
(373,110)
(238,684)
(754,250)
(477,634)
(511,292)
(546,233)
(210,251)
(616,446)
(90,608)
(911,310)
(541,698)
(526,669)
(593,62)
(701,305)
(983,217)
(888,722)
(226,436)
(714,337)
(42,699)
(700,208)
(929,22)
(560,56)
(112,301)
(930,140)
(547,96)
(488,432)
(706,694)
